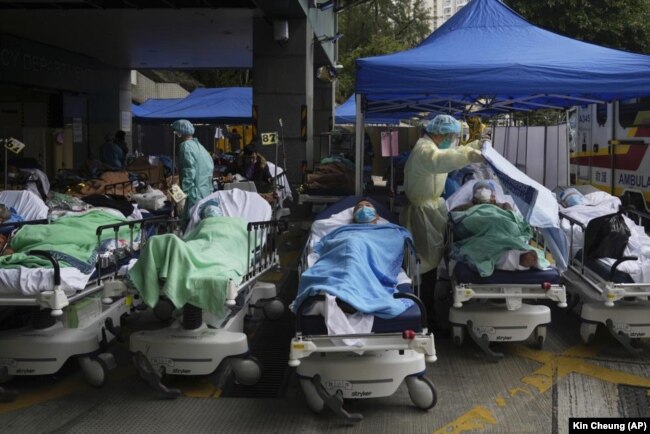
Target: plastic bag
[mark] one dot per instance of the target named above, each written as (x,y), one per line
(606,237)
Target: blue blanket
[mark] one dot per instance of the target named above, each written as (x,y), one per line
(359,264)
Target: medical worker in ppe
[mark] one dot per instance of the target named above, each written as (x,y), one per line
(425,173)
(195,164)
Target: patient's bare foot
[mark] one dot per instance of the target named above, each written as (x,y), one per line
(528,259)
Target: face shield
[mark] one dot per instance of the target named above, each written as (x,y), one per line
(465,134)
(449,141)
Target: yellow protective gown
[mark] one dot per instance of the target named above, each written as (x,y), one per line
(425,216)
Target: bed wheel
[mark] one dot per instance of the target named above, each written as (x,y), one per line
(313,399)
(247,371)
(458,334)
(164,309)
(588,332)
(540,337)
(5,376)
(95,370)
(273,309)
(422,392)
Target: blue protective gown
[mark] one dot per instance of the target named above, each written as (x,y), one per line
(196,168)
(111,155)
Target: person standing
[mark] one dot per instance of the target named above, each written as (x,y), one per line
(435,154)
(120,141)
(110,154)
(195,164)
(235,140)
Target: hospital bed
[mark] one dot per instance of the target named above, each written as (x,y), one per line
(281,190)
(613,292)
(376,362)
(75,313)
(198,342)
(492,308)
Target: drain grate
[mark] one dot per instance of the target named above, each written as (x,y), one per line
(270,345)
(633,401)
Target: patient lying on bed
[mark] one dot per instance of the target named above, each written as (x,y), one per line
(194,269)
(357,269)
(492,235)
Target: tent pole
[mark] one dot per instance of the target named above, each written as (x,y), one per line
(568,148)
(358,178)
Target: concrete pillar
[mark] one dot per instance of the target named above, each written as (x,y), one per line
(282,85)
(109,109)
(323,115)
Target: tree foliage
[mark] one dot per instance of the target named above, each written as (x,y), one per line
(622,24)
(378,27)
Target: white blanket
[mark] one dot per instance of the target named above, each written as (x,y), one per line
(234,203)
(599,204)
(27,204)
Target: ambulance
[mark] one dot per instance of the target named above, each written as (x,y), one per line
(608,146)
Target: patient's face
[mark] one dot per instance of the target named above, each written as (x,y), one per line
(365,212)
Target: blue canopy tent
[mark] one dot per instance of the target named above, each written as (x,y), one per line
(488,58)
(152,105)
(346,114)
(231,105)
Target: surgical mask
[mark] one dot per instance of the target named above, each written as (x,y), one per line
(448,143)
(483,195)
(365,214)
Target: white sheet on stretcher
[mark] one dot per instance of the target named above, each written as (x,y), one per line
(337,321)
(599,204)
(27,204)
(32,281)
(283,193)
(234,203)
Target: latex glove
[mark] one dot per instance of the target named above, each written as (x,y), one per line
(486,134)
(474,156)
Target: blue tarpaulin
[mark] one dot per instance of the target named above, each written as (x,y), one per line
(346,114)
(215,105)
(489,55)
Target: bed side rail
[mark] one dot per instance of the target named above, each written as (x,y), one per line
(609,290)
(141,226)
(122,186)
(262,246)
(411,264)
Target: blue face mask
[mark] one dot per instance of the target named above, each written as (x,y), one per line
(448,143)
(365,214)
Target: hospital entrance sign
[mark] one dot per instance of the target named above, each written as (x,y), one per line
(269,139)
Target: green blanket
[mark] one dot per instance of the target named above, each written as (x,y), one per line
(195,269)
(72,240)
(484,232)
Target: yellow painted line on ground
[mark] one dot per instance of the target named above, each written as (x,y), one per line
(193,387)
(62,388)
(476,418)
(272,276)
(554,368)
(572,361)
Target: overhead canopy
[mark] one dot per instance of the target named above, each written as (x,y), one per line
(152,105)
(346,114)
(227,105)
(488,55)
